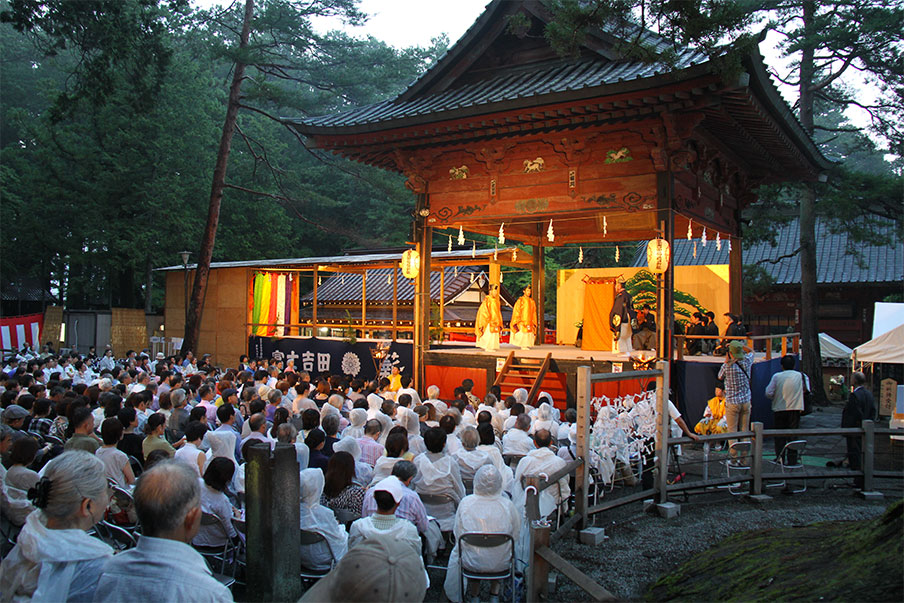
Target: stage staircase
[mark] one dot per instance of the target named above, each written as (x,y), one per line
(522,372)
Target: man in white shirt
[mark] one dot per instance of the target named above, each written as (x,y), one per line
(407,389)
(786,390)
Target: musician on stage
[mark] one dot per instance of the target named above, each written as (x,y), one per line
(524,321)
(621,316)
(489,321)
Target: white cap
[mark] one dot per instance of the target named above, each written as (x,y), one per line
(394,486)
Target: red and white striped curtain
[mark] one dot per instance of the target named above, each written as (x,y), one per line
(16,331)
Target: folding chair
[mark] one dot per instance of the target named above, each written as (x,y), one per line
(309,538)
(738,463)
(345,516)
(434,501)
(50,439)
(798,447)
(136,465)
(118,538)
(123,499)
(220,554)
(469,485)
(477,540)
(512,460)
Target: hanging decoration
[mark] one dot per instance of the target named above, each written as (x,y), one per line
(449,246)
(495,253)
(580,255)
(411,263)
(461,236)
(658,255)
(474,249)
(695,250)
(319,280)
(455,271)
(718,242)
(501,275)
(690,232)
(703,237)
(502,234)
(729,245)
(617,253)
(514,254)
(388,279)
(605,226)
(550,233)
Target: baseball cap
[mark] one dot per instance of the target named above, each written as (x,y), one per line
(736,349)
(393,485)
(14,412)
(381,568)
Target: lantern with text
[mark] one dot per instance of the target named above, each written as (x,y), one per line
(411,263)
(658,255)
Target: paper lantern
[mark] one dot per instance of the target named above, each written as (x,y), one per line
(658,255)
(411,263)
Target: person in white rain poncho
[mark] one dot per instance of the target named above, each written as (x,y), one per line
(317,518)
(517,441)
(488,445)
(438,475)
(222,445)
(469,458)
(333,406)
(374,403)
(544,420)
(396,447)
(55,559)
(487,511)
(357,417)
(410,421)
(364,473)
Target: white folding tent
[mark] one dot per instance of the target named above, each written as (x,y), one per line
(887,348)
(829,347)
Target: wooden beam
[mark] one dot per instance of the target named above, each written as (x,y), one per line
(442,298)
(363,302)
(395,303)
(666,314)
(735,276)
(314,307)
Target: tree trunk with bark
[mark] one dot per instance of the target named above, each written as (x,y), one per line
(811,359)
(202,272)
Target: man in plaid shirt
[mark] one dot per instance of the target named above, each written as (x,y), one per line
(371,449)
(735,372)
(40,424)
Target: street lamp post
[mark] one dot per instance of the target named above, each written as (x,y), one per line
(185,255)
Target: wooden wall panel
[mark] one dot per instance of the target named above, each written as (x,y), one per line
(129,329)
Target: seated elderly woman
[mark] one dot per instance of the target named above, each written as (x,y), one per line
(217,476)
(55,559)
(487,511)
(317,518)
(396,450)
(21,455)
(287,434)
(469,458)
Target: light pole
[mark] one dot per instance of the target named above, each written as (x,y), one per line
(185,255)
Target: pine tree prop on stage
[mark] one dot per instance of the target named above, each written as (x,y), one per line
(642,288)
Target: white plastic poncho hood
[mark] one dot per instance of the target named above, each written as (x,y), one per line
(317,518)
(364,473)
(49,561)
(410,421)
(439,476)
(357,417)
(222,444)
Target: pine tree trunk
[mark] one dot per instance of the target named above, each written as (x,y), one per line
(202,272)
(811,359)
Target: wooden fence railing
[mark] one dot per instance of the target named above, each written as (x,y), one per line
(542,558)
(789,342)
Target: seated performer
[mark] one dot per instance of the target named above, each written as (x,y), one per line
(644,337)
(524,321)
(713,421)
(489,321)
(620,317)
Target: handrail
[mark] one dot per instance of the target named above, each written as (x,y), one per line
(603,377)
(548,481)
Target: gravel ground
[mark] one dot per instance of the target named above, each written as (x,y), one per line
(642,547)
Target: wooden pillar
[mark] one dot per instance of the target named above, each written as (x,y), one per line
(666,318)
(442,299)
(363,302)
(735,276)
(538,289)
(395,302)
(495,271)
(314,307)
(584,395)
(662,442)
(274,556)
(423,245)
(538,575)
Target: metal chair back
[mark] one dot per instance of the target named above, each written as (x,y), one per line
(308,538)
(478,540)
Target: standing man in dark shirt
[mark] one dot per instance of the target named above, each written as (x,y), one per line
(860,407)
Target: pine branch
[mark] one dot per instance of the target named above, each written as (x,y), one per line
(779,258)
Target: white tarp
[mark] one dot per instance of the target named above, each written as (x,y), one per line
(887,316)
(829,347)
(888,348)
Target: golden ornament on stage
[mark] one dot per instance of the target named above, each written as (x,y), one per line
(658,255)
(411,263)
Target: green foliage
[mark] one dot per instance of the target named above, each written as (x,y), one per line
(643,291)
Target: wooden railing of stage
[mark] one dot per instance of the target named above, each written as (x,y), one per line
(751,340)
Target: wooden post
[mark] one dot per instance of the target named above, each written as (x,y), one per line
(869,445)
(314,308)
(756,464)
(662,442)
(274,556)
(395,303)
(664,194)
(363,301)
(442,300)
(538,571)
(784,346)
(735,276)
(538,289)
(584,396)
(424,240)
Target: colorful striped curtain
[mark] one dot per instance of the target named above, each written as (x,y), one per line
(274,303)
